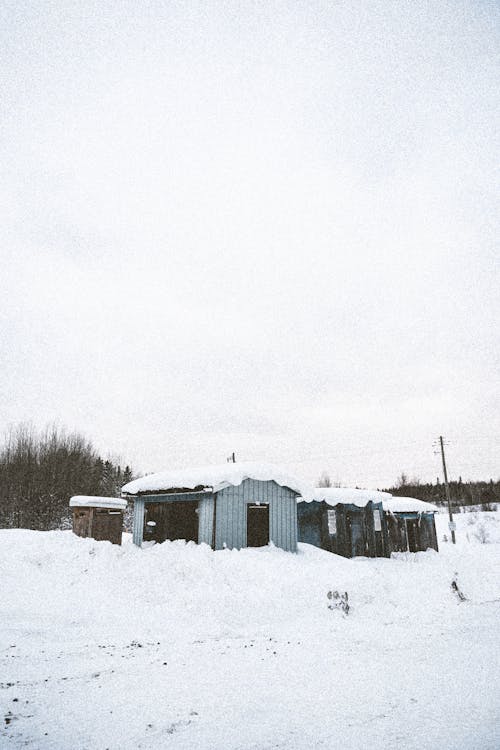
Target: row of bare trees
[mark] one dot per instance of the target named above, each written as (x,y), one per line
(41,470)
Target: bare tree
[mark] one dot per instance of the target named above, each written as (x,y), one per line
(402,480)
(40,471)
(324,480)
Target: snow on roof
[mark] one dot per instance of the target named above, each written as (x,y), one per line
(395,504)
(89,501)
(214,478)
(349,496)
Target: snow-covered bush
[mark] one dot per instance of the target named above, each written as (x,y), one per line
(483,528)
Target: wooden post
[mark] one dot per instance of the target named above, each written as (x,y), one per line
(448,494)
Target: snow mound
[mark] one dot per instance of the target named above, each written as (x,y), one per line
(193,590)
(214,478)
(178,645)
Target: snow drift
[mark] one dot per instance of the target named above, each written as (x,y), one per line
(182,647)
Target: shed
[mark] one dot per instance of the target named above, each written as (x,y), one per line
(353,522)
(98,517)
(231,505)
(344,521)
(411,525)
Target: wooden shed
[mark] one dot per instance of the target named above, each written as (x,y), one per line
(100,518)
(346,522)
(411,525)
(229,505)
(352,522)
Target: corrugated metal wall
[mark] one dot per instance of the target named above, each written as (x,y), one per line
(231,514)
(138,521)
(206,520)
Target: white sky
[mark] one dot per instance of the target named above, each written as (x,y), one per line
(254,226)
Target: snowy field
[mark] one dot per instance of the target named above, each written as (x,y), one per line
(180,647)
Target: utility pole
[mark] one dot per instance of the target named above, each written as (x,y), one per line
(447,486)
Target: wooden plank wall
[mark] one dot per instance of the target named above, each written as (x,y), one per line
(231,514)
(107,525)
(427,538)
(313,528)
(82,521)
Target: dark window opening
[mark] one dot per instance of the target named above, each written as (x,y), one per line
(257,525)
(177,520)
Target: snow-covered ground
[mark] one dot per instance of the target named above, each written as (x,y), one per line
(475,527)
(177,646)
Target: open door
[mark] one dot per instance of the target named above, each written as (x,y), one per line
(257,525)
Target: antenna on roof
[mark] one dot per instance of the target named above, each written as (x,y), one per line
(231,459)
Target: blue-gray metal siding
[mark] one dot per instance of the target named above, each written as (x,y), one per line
(206,520)
(231,514)
(138,524)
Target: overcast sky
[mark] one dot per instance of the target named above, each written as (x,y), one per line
(254,226)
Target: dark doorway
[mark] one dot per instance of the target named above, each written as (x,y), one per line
(176,520)
(412,535)
(257,525)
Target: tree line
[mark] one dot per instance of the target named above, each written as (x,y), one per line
(483,493)
(41,470)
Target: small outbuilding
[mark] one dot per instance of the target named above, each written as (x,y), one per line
(352,522)
(344,521)
(100,518)
(410,524)
(231,505)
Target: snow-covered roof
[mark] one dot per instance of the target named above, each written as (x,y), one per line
(395,504)
(89,501)
(349,496)
(214,478)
